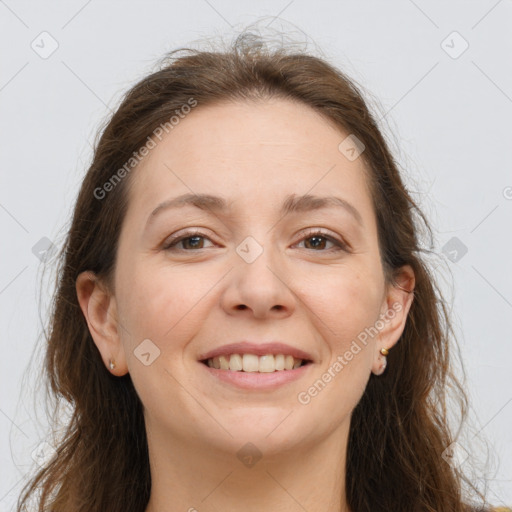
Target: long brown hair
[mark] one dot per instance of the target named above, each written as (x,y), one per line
(399,429)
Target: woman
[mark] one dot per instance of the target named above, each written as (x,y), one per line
(243,316)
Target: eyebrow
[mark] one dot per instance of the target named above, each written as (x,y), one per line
(292,204)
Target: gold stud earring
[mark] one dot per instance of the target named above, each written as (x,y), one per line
(384,363)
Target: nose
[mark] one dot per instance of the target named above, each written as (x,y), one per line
(259,289)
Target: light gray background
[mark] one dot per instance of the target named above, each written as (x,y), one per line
(449,120)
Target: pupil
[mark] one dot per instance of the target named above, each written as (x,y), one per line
(319,241)
(193,241)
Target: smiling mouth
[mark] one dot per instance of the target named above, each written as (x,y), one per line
(255,364)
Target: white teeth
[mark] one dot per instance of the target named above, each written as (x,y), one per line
(267,364)
(224,363)
(235,362)
(252,363)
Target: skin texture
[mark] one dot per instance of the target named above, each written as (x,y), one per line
(187,301)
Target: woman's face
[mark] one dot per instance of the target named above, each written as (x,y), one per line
(269,264)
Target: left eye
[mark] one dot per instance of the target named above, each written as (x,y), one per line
(318,241)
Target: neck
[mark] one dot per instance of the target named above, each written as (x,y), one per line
(196,477)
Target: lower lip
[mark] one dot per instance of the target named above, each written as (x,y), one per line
(257,380)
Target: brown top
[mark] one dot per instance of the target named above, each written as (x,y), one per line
(493,509)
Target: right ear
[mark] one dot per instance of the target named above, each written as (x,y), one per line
(100,311)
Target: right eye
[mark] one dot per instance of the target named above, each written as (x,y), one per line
(190,241)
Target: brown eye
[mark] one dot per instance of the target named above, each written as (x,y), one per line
(189,242)
(317,241)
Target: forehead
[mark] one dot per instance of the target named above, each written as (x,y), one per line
(250,151)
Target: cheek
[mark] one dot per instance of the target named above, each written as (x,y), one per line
(166,306)
(346,301)
(348,308)
(153,301)
(158,302)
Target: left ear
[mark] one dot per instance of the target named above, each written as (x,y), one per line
(395,309)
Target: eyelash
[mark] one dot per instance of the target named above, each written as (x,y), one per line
(314,233)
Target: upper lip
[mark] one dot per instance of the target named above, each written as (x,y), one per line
(259,349)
